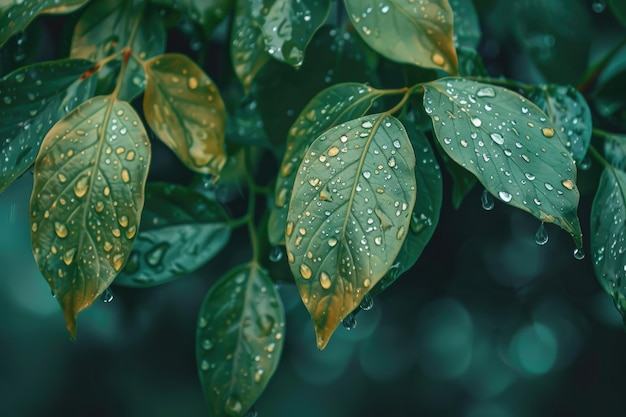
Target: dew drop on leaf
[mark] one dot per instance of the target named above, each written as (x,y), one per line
(107,296)
(504,196)
(541,237)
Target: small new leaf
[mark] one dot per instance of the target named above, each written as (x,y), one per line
(184,108)
(349,215)
(608,235)
(510,145)
(418,33)
(181,230)
(87,200)
(332,106)
(239,339)
(32,99)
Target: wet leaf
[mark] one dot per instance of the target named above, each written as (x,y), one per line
(426,211)
(570,114)
(615,150)
(239,339)
(16,15)
(87,200)
(608,235)
(466,25)
(349,215)
(414,33)
(106,28)
(185,109)
(618,7)
(332,106)
(463,181)
(509,144)
(32,99)
(181,230)
(207,14)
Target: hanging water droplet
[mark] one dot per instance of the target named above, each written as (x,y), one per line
(598,6)
(585,164)
(497,138)
(276,254)
(486,200)
(107,296)
(541,237)
(349,322)
(579,253)
(367,303)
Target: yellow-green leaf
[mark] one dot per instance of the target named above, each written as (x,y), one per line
(87,200)
(184,108)
(16,15)
(418,33)
(349,215)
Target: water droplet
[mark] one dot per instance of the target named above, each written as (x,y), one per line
(80,188)
(579,253)
(476,121)
(547,132)
(192,83)
(123,221)
(367,174)
(68,256)
(276,254)
(504,196)
(332,242)
(107,296)
(396,144)
(349,322)
(529,176)
(367,283)
(438,59)
(569,184)
(155,255)
(497,138)
(486,92)
(367,303)
(233,405)
(289,229)
(305,271)
(60,229)
(207,344)
(333,151)
(204,365)
(367,124)
(486,200)
(325,281)
(598,6)
(125,175)
(541,237)
(585,164)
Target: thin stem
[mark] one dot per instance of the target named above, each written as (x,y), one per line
(402,102)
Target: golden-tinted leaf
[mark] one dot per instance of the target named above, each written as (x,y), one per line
(185,109)
(87,200)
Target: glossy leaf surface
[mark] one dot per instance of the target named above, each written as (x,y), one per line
(349,215)
(32,99)
(181,230)
(570,114)
(608,235)
(87,200)
(106,28)
(418,33)
(463,181)
(332,106)
(615,150)
(509,144)
(184,108)
(426,211)
(239,339)
(16,15)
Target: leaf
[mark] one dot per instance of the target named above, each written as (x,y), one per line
(181,231)
(426,211)
(87,200)
(471,63)
(185,109)
(570,114)
(239,339)
(463,181)
(349,214)
(608,235)
(280,28)
(618,7)
(106,28)
(466,25)
(413,33)
(615,150)
(207,14)
(509,145)
(15,16)
(332,106)
(32,99)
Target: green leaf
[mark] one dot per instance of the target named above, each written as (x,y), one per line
(239,339)
(618,7)
(184,108)
(413,33)
(426,211)
(463,181)
(181,230)
(16,15)
(207,13)
(332,106)
(278,28)
(608,235)
(87,200)
(570,114)
(471,63)
(615,150)
(466,25)
(509,144)
(106,28)
(32,99)
(349,214)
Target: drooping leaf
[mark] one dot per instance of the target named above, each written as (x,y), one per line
(32,99)
(349,215)
(608,235)
(282,91)
(207,13)
(106,28)
(418,33)
(87,200)
(239,339)
(16,15)
(509,144)
(570,114)
(618,7)
(426,211)
(466,25)
(184,108)
(332,106)
(181,230)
